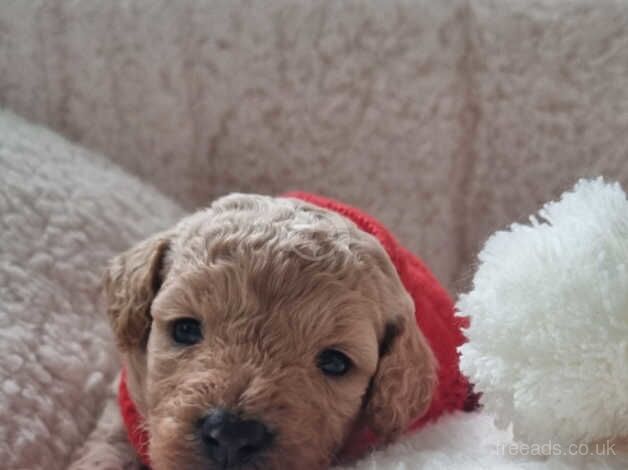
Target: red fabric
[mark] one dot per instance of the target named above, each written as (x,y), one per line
(133,421)
(434,315)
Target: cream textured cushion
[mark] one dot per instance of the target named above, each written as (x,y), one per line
(63,212)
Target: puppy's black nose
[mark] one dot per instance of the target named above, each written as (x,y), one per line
(230,440)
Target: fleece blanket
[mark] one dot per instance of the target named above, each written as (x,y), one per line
(63,212)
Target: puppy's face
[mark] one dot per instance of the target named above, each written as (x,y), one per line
(259,333)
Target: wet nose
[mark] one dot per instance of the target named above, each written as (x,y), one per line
(230,440)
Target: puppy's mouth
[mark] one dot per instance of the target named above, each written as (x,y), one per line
(259,463)
(214,466)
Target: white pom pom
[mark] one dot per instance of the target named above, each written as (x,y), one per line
(548,341)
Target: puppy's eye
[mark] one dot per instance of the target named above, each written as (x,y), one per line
(187,331)
(333,362)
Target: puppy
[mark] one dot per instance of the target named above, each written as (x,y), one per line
(267,333)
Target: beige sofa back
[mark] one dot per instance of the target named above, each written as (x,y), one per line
(447,120)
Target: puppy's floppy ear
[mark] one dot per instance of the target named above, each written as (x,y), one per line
(402,387)
(131,282)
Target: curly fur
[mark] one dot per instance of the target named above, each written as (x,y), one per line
(273,282)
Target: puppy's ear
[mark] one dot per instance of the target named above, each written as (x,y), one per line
(131,282)
(402,387)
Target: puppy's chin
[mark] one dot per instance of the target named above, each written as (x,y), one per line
(176,445)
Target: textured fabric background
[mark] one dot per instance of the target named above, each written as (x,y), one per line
(445,119)
(551,82)
(63,214)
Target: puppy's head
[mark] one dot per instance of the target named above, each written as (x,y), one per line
(260,332)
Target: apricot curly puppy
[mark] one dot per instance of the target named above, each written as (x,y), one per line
(265,333)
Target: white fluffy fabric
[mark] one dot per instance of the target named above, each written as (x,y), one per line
(470,441)
(548,342)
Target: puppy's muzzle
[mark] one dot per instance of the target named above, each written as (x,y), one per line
(231,441)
